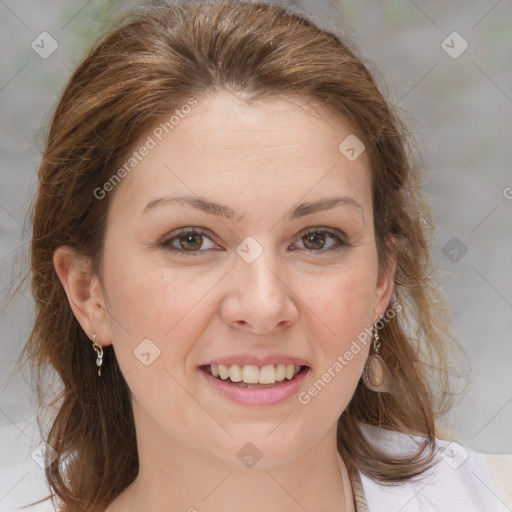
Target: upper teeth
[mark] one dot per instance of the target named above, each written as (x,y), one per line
(251,374)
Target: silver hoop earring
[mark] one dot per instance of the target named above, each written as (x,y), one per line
(376,375)
(99,352)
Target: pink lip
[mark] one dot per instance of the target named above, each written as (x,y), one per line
(242,359)
(253,396)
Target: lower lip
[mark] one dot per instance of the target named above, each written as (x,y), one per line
(255,396)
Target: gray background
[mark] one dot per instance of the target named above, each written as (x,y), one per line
(460,110)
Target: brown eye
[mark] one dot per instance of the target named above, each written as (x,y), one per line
(318,241)
(191,241)
(314,240)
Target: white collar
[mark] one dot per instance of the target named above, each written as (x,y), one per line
(458,482)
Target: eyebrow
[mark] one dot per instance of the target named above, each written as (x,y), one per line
(226,212)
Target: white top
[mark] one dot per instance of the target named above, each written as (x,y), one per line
(460,481)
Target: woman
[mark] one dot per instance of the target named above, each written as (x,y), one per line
(232,279)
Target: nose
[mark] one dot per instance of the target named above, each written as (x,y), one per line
(259,299)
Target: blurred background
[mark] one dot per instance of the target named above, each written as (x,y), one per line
(447,69)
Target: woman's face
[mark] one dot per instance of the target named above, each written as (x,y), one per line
(282,269)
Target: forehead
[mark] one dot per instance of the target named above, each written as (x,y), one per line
(281,149)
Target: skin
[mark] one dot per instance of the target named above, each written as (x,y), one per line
(260,159)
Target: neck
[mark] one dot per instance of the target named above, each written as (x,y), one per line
(175,477)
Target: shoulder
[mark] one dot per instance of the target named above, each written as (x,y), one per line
(459,481)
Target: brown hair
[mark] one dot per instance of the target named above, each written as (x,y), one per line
(147,65)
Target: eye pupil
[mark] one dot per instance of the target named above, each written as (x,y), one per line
(315,237)
(185,239)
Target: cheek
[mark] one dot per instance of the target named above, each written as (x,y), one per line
(155,318)
(342,308)
(343,299)
(165,305)
(147,299)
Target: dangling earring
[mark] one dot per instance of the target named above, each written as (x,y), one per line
(376,375)
(99,351)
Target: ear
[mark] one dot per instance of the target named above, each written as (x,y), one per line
(84,293)
(385,282)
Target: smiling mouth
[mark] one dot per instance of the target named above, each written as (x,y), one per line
(250,376)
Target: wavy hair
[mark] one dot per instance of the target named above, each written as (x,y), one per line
(147,64)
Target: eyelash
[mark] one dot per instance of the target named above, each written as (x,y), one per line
(340,243)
